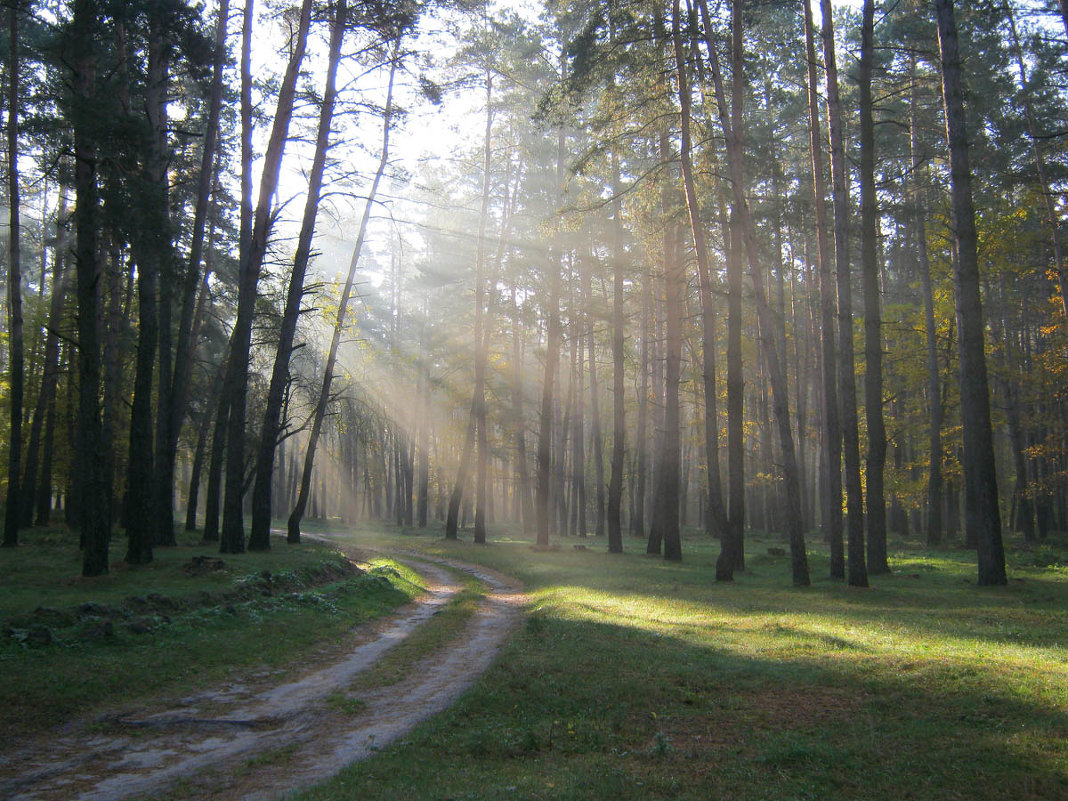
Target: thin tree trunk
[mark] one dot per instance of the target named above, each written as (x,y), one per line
(482,325)
(935,499)
(49,381)
(873,334)
(236,386)
(293,534)
(832,431)
(983,519)
(144,515)
(578,432)
(185,344)
(260,532)
(1052,216)
(16,347)
(615,481)
(734,129)
(595,406)
(456,497)
(847,383)
(542,499)
(674,279)
(637,521)
(94,504)
(716,517)
(526,503)
(732,553)
(423,470)
(193,496)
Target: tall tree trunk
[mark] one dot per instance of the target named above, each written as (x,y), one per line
(260,532)
(482,326)
(43,498)
(526,503)
(578,430)
(983,519)
(615,482)
(94,503)
(637,521)
(674,279)
(542,500)
(423,471)
(49,380)
(831,455)
(191,298)
(734,129)
(873,334)
(236,385)
(293,533)
(935,499)
(475,435)
(595,404)
(847,383)
(143,514)
(732,553)
(14,291)
(716,517)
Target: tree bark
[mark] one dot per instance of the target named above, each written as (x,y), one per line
(935,500)
(637,521)
(542,499)
(983,519)
(145,516)
(614,510)
(45,406)
(873,335)
(831,485)
(94,503)
(16,348)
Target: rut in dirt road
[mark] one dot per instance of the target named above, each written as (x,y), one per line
(184,752)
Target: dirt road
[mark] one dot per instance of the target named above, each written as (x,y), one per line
(263,741)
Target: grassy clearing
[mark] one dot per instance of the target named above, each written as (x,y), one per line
(139,633)
(637,679)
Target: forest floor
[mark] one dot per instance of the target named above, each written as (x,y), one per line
(271,734)
(610,676)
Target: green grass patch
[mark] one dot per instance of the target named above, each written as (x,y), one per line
(633,678)
(139,633)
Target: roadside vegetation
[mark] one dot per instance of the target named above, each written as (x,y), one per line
(72,646)
(634,678)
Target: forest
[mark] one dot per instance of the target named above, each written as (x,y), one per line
(616,269)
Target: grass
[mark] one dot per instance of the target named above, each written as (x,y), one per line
(157,630)
(637,679)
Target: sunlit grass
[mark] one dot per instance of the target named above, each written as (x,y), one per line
(635,679)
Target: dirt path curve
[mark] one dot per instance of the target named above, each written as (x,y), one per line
(249,742)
